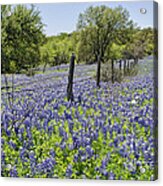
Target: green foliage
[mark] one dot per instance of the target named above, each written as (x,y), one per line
(43,143)
(114,51)
(141,44)
(58,49)
(101,26)
(22,36)
(101,32)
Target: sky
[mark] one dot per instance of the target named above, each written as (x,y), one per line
(62,17)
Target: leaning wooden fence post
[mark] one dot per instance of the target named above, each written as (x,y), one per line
(128,66)
(98,71)
(124,67)
(112,67)
(70,78)
(120,64)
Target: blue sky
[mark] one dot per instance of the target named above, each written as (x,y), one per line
(62,17)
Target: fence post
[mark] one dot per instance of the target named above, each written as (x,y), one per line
(98,71)
(128,66)
(70,95)
(120,64)
(112,67)
(124,67)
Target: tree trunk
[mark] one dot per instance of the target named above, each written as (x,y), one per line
(98,71)
(44,68)
(70,95)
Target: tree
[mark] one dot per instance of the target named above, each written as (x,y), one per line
(46,57)
(22,36)
(59,49)
(86,52)
(140,45)
(101,26)
(115,54)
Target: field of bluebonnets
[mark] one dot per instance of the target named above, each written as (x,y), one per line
(106,133)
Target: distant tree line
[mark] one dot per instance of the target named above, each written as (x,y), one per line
(103,34)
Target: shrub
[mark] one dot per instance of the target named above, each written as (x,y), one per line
(106,73)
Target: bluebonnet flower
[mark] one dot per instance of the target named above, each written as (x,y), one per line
(27,122)
(71,146)
(29,134)
(71,126)
(23,154)
(63,145)
(21,130)
(67,116)
(89,127)
(89,151)
(104,130)
(45,124)
(50,130)
(69,171)
(97,169)
(97,177)
(61,131)
(52,153)
(87,141)
(104,163)
(16,130)
(3,158)
(76,158)
(13,172)
(8,132)
(83,157)
(79,98)
(47,166)
(2,142)
(138,163)
(115,142)
(105,173)
(111,176)
(12,144)
(32,161)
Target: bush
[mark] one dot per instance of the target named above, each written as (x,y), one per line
(133,71)
(106,73)
(30,72)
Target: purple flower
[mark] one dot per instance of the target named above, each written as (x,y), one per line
(105,173)
(76,158)
(63,145)
(12,144)
(67,116)
(13,172)
(89,151)
(27,122)
(23,154)
(8,132)
(46,167)
(111,176)
(52,153)
(69,171)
